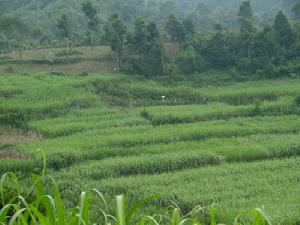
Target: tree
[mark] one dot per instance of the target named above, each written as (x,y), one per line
(140,36)
(296,10)
(93,22)
(155,48)
(146,48)
(16,33)
(283,30)
(218,27)
(246,11)
(115,32)
(189,61)
(189,27)
(266,46)
(245,18)
(3,43)
(217,53)
(247,28)
(175,29)
(65,30)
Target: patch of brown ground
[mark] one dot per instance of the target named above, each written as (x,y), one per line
(12,136)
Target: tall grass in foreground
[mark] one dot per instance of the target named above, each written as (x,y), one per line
(37,207)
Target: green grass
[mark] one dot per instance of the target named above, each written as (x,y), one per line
(155,159)
(231,187)
(150,92)
(13,136)
(193,113)
(51,53)
(85,120)
(227,141)
(42,94)
(36,205)
(206,142)
(144,134)
(51,60)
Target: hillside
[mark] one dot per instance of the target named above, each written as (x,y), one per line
(205,13)
(211,140)
(189,109)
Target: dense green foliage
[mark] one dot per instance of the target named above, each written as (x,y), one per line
(265,49)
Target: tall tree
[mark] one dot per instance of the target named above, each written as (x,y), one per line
(175,29)
(65,29)
(147,48)
(247,29)
(115,32)
(155,48)
(283,30)
(296,10)
(245,18)
(93,22)
(140,36)
(266,45)
(246,11)
(15,32)
(189,27)
(217,53)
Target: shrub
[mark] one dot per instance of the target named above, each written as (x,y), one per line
(9,69)
(56,73)
(145,114)
(257,109)
(190,62)
(144,66)
(170,69)
(269,70)
(297,100)
(15,120)
(83,73)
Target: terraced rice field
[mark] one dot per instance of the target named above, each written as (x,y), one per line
(236,146)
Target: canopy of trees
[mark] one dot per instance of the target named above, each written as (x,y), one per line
(157,37)
(43,14)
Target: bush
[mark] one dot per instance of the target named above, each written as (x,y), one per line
(297,100)
(9,69)
(56,73)
(189,62)
(171,69)
(83,73)
(15,120)
(257,110)
(144,66)
(250,67)
(269,70)
(145,114)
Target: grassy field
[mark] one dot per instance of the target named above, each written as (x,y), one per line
(54,60)
(235,145)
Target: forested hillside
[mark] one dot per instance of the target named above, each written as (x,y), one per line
(41,15)
(158,37)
